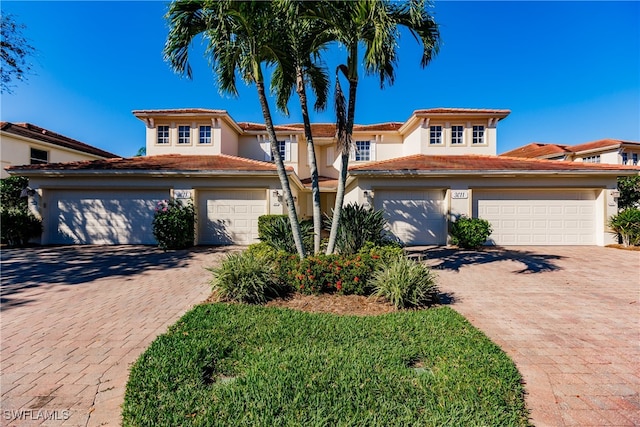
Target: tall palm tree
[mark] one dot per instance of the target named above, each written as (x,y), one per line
(376,26)
(241,37)
(304,41)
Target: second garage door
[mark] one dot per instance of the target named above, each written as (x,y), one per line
(538,217)
(415,217)
(230,216)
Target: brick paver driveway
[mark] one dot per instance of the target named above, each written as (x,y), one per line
(75,318)
(568,316)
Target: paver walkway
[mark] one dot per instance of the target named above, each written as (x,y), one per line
(568,316)
(75,318)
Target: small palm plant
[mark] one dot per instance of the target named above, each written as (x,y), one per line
(405,284)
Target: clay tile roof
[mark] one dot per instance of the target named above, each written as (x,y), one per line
(179,111)
(477,163)
(600,144)
(322,130)
(324,181)
(441,110)
(535,149)
(32,131)
(166,162)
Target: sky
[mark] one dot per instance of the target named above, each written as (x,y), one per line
(568,71)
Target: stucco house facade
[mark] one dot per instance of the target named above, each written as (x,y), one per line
(424,173)
(26,143)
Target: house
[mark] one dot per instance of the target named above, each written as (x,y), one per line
(611,151)
(25,143)
(424,173)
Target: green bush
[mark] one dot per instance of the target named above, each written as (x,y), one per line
(275,230)
(626,225)
(629,187)
(174,224)
(405,283)
(19,226)
(470,233)
(243,277)
(358,225)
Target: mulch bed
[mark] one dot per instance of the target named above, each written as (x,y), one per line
(623,247)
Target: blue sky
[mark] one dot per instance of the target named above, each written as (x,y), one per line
(568,71)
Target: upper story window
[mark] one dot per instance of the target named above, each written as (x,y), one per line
(592,159)
(163,135)
(457,135)
(478,134)
(184,135)
(435,135)
(625,158)
(282,149)
(205,135)
(363,151)
(39,157)
(634,159)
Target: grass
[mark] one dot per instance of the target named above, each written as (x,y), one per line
(231,364)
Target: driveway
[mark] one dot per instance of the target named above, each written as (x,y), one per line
(75,318)
(568,316)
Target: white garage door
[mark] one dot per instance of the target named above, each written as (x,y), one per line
(102,217)
(415,217)
(531,217)
(230,216)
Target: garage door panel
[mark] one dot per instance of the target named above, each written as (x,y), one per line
(541,217)
(103,217)
(414,217)
(230,216)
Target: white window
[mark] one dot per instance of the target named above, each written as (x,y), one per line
(363,151)
(282,149)
(478,134)
(39,157)
(435,135)
(625,158)
(634,159)
(592,159)
(457,133)
(184,134)
(163,135)
(205,135)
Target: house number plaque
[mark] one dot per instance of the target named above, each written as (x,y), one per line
(459,194)
(182,194)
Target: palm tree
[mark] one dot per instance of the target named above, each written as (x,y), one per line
(304,42)
(376,25)
(240,36)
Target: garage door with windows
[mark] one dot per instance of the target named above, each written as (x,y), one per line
(102,217)
(538,217)
(230,216)
(415,217)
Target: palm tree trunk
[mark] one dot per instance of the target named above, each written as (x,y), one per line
(313,165)
(282,173)
(342,180)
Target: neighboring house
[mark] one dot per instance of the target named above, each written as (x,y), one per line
(425,172)
(610,151)
(24,143)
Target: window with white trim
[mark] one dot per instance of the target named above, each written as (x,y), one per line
(435,135)
(163,135)
(634,159)
(592,159)
(363,151)
(39,157)
(457,135)
(625,158)
(184,134)
(282,149)
(478,134)
(205,135)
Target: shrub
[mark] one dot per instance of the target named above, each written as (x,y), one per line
(243,277)
(19,226)
(626,224)
(386,252)
(470,233)
(405,283)
(358,225)
(174,224)
(629,187)
(275,230)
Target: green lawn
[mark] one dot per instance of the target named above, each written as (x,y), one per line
(231,364)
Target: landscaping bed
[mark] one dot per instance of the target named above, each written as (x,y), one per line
(236,364)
